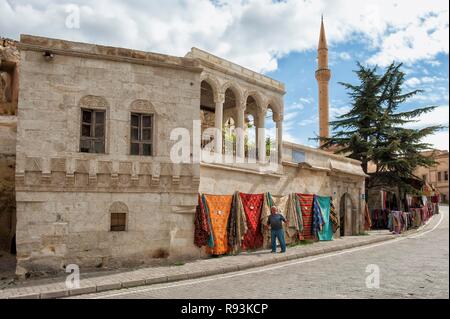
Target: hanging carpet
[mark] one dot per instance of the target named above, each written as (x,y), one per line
(219,211)
(253,238)
(306,205)
(324,204)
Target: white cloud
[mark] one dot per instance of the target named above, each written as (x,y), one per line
(439,116)
(412,82)
(345,56)
(253,33)
(439,140)
(338,111)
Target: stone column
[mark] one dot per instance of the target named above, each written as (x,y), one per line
(261,136)
(279,123)
(218,146)
(240,140)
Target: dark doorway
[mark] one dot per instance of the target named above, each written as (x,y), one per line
(13,246)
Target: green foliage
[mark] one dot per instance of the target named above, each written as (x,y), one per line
(376,131)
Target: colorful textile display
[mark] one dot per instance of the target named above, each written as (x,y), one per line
(334,217)
(202,230)
(380,219)
(237,224)
(318,219)
(253,238)
(265,213)
(306,205)
(367,219)
(219,211)
(324,205)
(383,196)
(396,222)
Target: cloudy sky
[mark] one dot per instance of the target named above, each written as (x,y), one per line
(277,38)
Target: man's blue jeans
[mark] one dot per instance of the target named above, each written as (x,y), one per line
(280,235)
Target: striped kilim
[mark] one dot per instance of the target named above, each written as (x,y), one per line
(306,206)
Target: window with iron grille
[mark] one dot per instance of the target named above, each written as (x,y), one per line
(118,221)
(92,131)
(141,134)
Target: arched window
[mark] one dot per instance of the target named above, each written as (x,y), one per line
(119,215)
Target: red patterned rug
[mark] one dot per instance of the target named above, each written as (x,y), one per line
(253,239)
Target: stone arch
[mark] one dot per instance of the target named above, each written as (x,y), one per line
(212,81)
(347,215)
(274,106)
(237,91)
(259,99)
(118,207)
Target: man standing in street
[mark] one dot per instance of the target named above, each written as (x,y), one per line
(276,224)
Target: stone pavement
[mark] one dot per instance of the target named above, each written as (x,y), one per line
(100,282)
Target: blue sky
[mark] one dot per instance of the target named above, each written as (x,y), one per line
(297,71)
(277,38)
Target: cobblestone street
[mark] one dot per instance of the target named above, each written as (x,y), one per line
(415,266)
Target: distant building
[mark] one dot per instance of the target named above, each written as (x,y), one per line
(436,176)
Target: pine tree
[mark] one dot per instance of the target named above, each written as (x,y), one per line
(375,131)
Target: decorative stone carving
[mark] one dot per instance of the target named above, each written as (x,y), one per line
(58,165)
(82,166)
(33,164)
(118,208)
(176,174)
(142,106)
(93,101)
(156,173)
(104,167)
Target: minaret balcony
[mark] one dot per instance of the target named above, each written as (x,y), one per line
(323,75)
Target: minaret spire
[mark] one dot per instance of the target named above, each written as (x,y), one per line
(323,76)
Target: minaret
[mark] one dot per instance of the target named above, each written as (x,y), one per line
(323,76)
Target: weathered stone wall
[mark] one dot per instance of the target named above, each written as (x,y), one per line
(64,197)
(7,168)
(9,76)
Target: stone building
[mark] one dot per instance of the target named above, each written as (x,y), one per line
(437,175)
(95,180)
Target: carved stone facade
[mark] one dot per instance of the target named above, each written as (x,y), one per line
(66,199)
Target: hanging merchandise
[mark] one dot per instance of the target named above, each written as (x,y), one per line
(324,205)
(306,205)
(265,213)
(253,238)
(219,211)
(283,205)
(202,231)
(318,220)
(367,219)
(396,222)
(334,217)
(237,224)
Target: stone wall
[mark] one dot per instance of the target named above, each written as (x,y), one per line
(8,126)
(64,197)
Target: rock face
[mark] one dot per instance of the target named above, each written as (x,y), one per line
(9,70)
